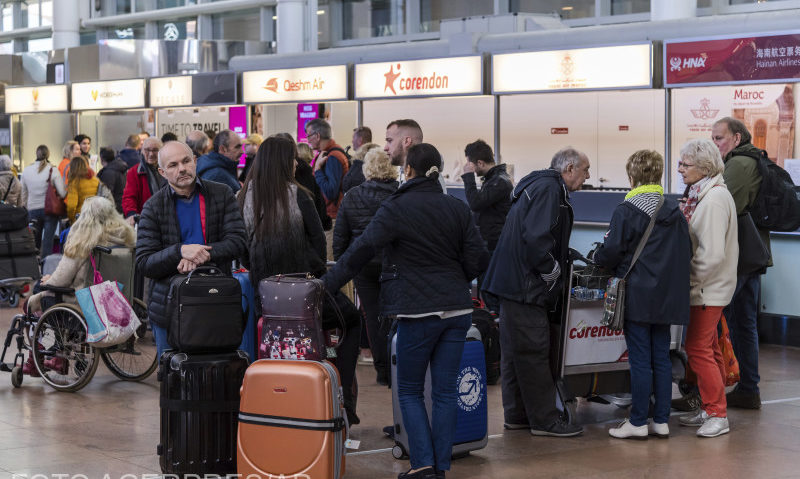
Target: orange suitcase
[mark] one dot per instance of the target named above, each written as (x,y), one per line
(291,421)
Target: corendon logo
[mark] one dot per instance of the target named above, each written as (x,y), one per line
(432,82)
(676,64)
(705,112)
(272,85)
(593,332)
(94,95)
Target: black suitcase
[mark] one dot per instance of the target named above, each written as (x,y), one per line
(17,242)
(205,311)
(199,411)
(19,267)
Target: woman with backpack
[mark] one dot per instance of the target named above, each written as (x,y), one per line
(35,180)
(10,188)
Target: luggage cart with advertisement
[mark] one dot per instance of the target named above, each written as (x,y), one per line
(588,359)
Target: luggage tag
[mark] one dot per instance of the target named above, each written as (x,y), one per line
(352,444)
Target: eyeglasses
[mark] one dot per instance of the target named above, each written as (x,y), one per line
(151,150)
(685,165)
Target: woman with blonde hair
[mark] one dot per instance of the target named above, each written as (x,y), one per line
(305,153)
(657,294)
(98,225)
(251,145)
(35,179)
(81,184)
(355,175)
(71,150)
(356,211)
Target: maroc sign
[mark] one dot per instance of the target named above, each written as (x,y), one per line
(435,77)
(108,95)
(771,58)
(36,99)
(295,85)
(624,66)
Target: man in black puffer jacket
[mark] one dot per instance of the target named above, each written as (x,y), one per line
(491,203)
(355,213)
(113,175)
(184,225)
(527,275)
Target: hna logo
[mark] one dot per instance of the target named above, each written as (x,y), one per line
(272,85)
(94,95)
(677,64)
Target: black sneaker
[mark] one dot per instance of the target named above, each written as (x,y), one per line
(743,399)
(440,474)
(426,473)
(557,429)
(688,403)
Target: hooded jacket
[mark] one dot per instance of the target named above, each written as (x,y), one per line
(535,237)
(215,167)
(130,156)
(657,289)
(113,175)
(432,251)
(491,203)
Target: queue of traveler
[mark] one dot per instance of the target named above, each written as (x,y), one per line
(413,253)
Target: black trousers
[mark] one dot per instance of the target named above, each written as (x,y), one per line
(368,288)
(529,393)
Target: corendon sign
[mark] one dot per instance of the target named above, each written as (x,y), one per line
(435,77)
(108,95)
(623,66)
(36,99)
(761,59)
(295,85)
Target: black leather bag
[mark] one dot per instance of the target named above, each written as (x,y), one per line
(753,253)
(12,217)
(205,311)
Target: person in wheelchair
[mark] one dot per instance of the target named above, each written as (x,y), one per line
(99,224)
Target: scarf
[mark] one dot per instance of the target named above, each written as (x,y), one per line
(645,189)
(693,198)
(154,180)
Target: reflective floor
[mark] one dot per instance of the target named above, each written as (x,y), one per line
(110,429)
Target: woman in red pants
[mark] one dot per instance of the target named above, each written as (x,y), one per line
(711,214)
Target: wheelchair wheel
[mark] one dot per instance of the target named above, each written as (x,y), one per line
(135,359)
(60,351)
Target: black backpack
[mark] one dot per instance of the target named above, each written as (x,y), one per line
(484,321)
(777,205)
(345,153)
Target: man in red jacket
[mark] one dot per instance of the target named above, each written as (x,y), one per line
(142,181)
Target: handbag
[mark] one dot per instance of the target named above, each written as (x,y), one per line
(110,319)
(614,305)
(728,357)
(753,253)
(53,204)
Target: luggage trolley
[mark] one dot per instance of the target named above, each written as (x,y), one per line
(590,360)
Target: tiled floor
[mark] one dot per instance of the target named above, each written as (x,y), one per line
(110,429)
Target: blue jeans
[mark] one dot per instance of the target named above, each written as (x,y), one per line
(440,343)
(651,370)
(48,231)
(742,317)
(160,334)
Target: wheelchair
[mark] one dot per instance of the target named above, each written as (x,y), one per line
(57,337)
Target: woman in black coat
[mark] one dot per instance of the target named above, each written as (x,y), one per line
(356,211)
(432,252)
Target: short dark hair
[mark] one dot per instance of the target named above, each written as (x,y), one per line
(479,150)
(364,133)
(735,126)
(404,123)
(211,134)
(133,141)
(222,138)
(107,154)
(422,157)
(80,137)
(169,136)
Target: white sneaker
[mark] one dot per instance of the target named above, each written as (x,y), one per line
(693,419)
(714,426)
(626,430)
(658,430)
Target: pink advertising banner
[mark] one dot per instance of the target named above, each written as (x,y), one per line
(733,60)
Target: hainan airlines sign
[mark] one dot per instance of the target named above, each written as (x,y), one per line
(625,66)
(435,77)
(108,95)
(36,99)
(295,85)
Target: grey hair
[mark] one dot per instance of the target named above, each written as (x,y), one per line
(705,156)
(565,157)
(5,163)
(318,125)
(222,139)
(735,126)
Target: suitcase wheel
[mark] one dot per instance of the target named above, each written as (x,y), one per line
(398,452)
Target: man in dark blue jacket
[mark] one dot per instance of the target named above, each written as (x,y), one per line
(220,165)
(131,154)
(527,274)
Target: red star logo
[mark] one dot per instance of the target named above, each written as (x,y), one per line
(391,76)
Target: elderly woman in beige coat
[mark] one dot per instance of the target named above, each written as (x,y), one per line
(11,191)
(711,214)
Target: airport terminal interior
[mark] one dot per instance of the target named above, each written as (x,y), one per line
(606,78)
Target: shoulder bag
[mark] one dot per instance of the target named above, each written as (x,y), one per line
(614,307)
(53,204)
